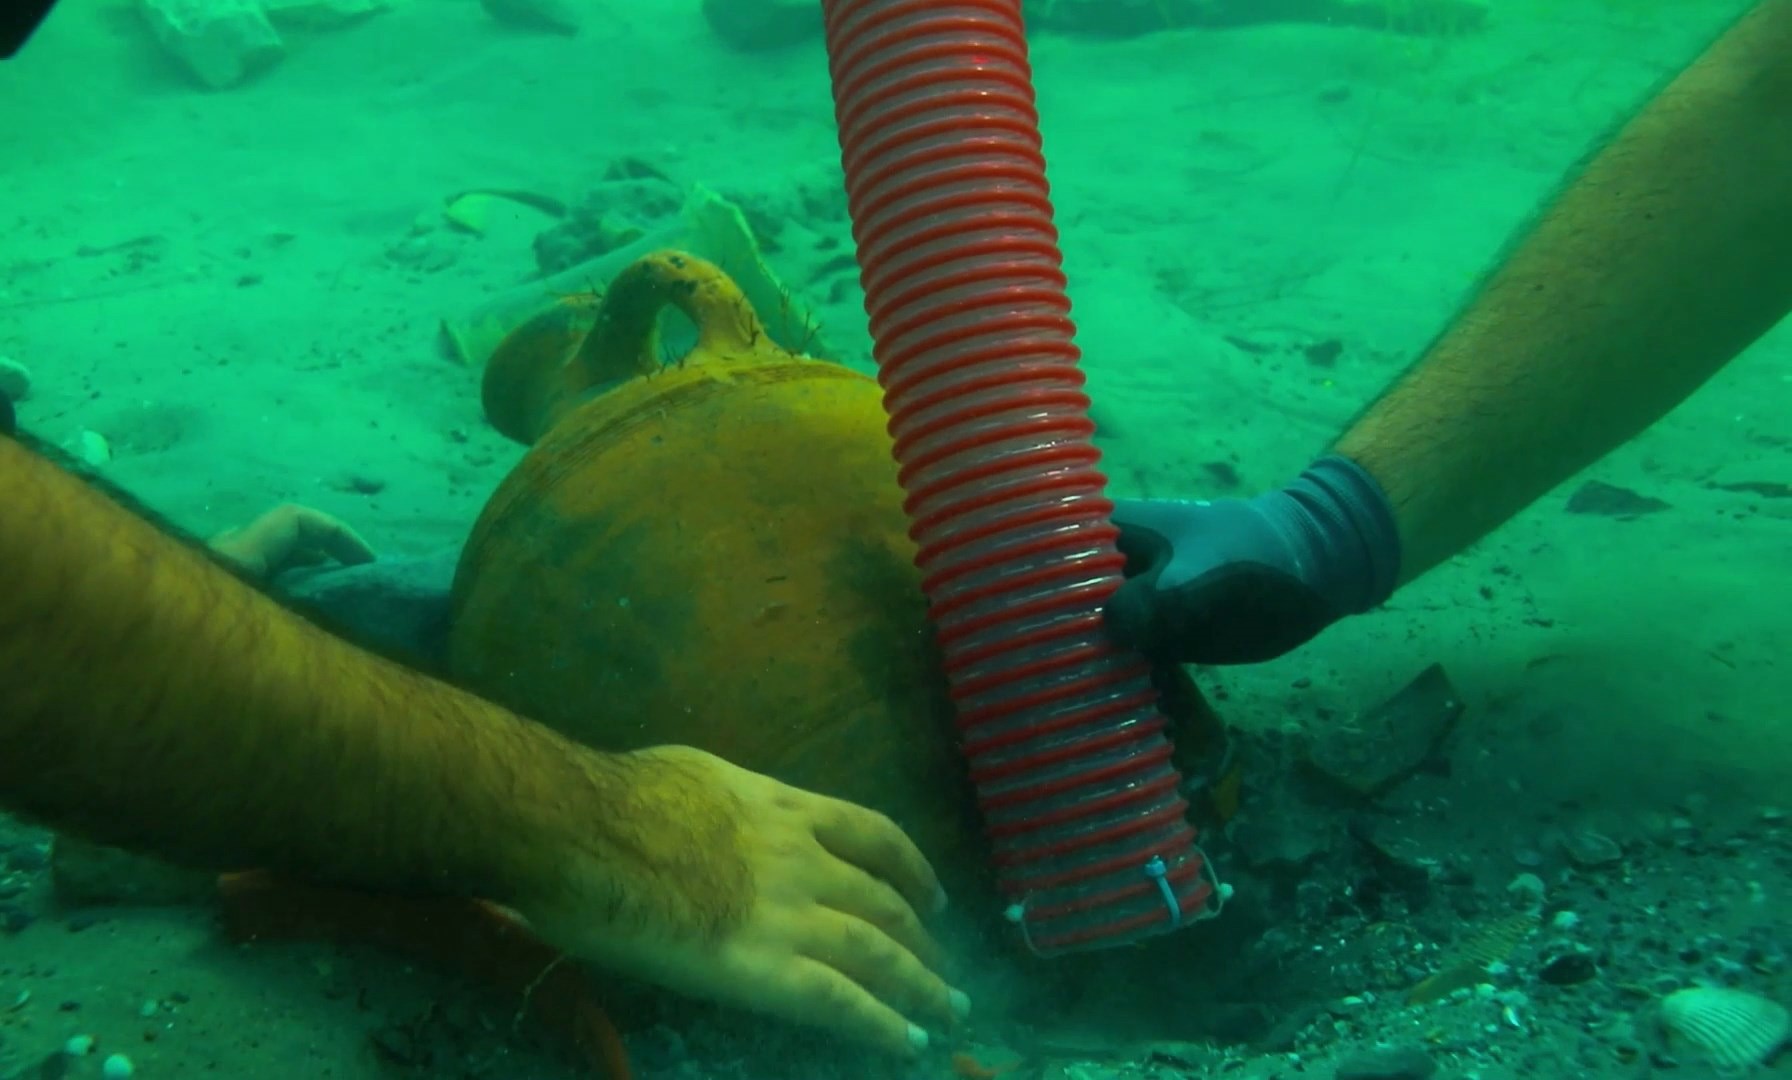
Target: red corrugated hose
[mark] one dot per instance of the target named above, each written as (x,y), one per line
(973,339)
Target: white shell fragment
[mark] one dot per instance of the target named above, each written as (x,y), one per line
(1732,1029)
(93,448)
(1588,849)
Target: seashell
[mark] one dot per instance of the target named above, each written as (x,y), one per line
(1587,849)
(1732,1029)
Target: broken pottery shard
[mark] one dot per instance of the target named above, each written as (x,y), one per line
(1390,742)
(322,14)
(552,16)
(1422,18)
(1767,489)
(755,26)
(1126,18)
(1609,500)
(222,42)
(1765,477)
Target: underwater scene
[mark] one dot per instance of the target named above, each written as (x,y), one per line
(896,539)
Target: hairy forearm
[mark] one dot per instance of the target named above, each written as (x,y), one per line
(1669,254)
(148,698)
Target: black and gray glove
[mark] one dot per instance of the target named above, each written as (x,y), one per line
(1233,581)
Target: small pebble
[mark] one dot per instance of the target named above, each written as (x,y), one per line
(1527,889)
(15,379)
(117,1067)
(78,1045)
(1569,969)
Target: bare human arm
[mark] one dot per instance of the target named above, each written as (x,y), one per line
(1666,256)
(149,698)
(1661,259)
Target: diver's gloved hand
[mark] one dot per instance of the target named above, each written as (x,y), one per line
(1243,580)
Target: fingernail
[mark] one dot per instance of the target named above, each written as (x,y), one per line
(939,899)
(960,1003)
(917,1038)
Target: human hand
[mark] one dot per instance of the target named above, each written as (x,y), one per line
(1244,580)
(290,536)
(762,896)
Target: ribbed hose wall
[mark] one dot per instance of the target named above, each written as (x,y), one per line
(960,264)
